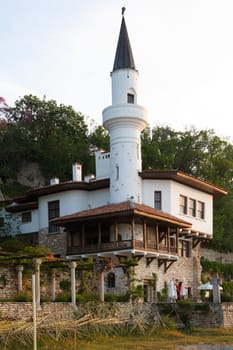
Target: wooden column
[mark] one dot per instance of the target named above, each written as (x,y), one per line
(99,235)
(116,237)
(132,230)
(177,241)
(82,236)
(157,236)
(168,239)
(144,234)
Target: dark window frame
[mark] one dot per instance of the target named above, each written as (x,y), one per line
(26,217)
(130,98)
(185,249)
(183,203)
(192,207)
(53,212)
(200,210)
(158,200)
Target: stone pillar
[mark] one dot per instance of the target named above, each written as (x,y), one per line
(72,266)
(216,291)
(101,286)
(20,269)
(37,262)
(53,284)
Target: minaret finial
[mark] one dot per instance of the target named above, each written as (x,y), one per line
(123,11)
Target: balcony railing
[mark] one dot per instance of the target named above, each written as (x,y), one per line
(121,245)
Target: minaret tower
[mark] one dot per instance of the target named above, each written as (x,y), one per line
(125,120)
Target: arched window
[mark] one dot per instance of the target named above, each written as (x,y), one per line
(111,280)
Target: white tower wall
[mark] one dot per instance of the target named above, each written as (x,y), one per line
(124,81)
(125,121)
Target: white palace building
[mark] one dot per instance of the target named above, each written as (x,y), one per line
(159,218)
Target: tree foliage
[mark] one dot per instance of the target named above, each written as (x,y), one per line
(41,131)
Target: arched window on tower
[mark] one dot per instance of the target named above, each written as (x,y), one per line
(111,280)
(131,96)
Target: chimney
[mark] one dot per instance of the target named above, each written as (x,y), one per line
(77,172)
(54,181)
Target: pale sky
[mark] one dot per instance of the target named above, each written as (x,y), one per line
(65,49)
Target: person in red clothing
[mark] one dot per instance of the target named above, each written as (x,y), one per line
(178,289)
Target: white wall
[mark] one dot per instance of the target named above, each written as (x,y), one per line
(70,202)
(98,198)
(171,191)
(102,164)
(203,225)
(32,226)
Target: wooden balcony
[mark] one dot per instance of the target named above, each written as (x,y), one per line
(122,245)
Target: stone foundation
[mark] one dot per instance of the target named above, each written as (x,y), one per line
(215,315)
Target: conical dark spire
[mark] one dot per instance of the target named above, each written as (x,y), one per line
(124,55)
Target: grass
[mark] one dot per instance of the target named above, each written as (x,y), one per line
(162,340)
(64,339)
(97,327)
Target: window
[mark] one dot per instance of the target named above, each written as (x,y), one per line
(183,204)
(117,172)
(192,207)
(185,249)
(200,210)
(111,280)
(158,200)
(130,98)
(26,217)
(53,212)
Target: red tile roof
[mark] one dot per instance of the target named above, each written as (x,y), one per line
(14,208)
(118,209)
(185,179)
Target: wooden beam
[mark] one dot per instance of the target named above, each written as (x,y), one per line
(166,262)
(149,260)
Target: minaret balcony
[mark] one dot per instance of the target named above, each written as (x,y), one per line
(126,114)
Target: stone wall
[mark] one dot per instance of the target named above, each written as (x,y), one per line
(213,255)
(8,282)
(22,311)
(216,315)
(55,241)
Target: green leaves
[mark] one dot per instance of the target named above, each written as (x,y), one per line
(54,136)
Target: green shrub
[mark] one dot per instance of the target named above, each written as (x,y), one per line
(203,307)
(63,298)
(22,298)
(65,285)
(227,293)
(162,296)
(85,298)
(116,298)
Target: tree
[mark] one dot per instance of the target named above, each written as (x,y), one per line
(41,131)
(99,139)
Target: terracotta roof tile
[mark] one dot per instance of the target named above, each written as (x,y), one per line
(123,207)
